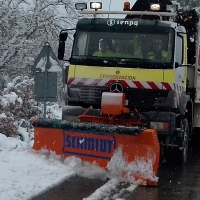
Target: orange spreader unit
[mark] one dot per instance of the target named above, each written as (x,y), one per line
(93,141)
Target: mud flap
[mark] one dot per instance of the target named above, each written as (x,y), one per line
(132,151)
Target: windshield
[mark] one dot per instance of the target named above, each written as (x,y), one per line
(125,48)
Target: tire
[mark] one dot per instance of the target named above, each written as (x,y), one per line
(183,143)
(195,140)
(178,155)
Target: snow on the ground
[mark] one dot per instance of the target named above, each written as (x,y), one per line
(25,173)
(104,190)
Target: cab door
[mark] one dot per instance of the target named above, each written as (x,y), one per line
(180,59)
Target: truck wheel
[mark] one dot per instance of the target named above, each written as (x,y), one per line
(183,143)
(178,155)
(195,140)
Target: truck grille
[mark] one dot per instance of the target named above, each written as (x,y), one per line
(144,97)
(136,97)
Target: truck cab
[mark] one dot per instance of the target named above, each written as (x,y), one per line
(129,68)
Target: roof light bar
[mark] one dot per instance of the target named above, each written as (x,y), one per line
(155,7)
(96,5)
(99,12)
(81,6)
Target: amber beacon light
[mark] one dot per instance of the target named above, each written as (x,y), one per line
(127,6)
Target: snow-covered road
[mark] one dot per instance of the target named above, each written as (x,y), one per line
(26,173)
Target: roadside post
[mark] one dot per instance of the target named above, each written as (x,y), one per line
(45,71)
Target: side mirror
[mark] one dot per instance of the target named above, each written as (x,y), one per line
(62,39)
(63,36)
(61,49)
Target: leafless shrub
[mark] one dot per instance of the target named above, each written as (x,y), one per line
(17,104)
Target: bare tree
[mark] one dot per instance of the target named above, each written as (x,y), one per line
(26,25)
(190,4)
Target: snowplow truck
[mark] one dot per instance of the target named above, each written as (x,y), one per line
(132,90)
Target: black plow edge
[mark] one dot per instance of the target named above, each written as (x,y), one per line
(87,126)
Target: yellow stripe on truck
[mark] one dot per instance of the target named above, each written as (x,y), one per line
(114,73)
(169,76)
(71,72)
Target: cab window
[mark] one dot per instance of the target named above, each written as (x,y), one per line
(179,50)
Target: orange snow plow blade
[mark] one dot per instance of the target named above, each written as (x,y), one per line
(140,150)
(114,140)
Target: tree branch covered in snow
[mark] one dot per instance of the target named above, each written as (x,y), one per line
(190,4)
(26,25)
(17,104)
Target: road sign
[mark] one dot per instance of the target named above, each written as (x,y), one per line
(45,70)
(51,89)
(46,54)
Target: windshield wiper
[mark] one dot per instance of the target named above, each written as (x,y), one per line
(110,59)
(92,57)
(122,60)
(125,60)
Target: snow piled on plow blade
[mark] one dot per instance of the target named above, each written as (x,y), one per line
(137,171)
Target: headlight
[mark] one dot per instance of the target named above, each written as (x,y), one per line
(155,7)
(96,5)
(159,125)
(81,6)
